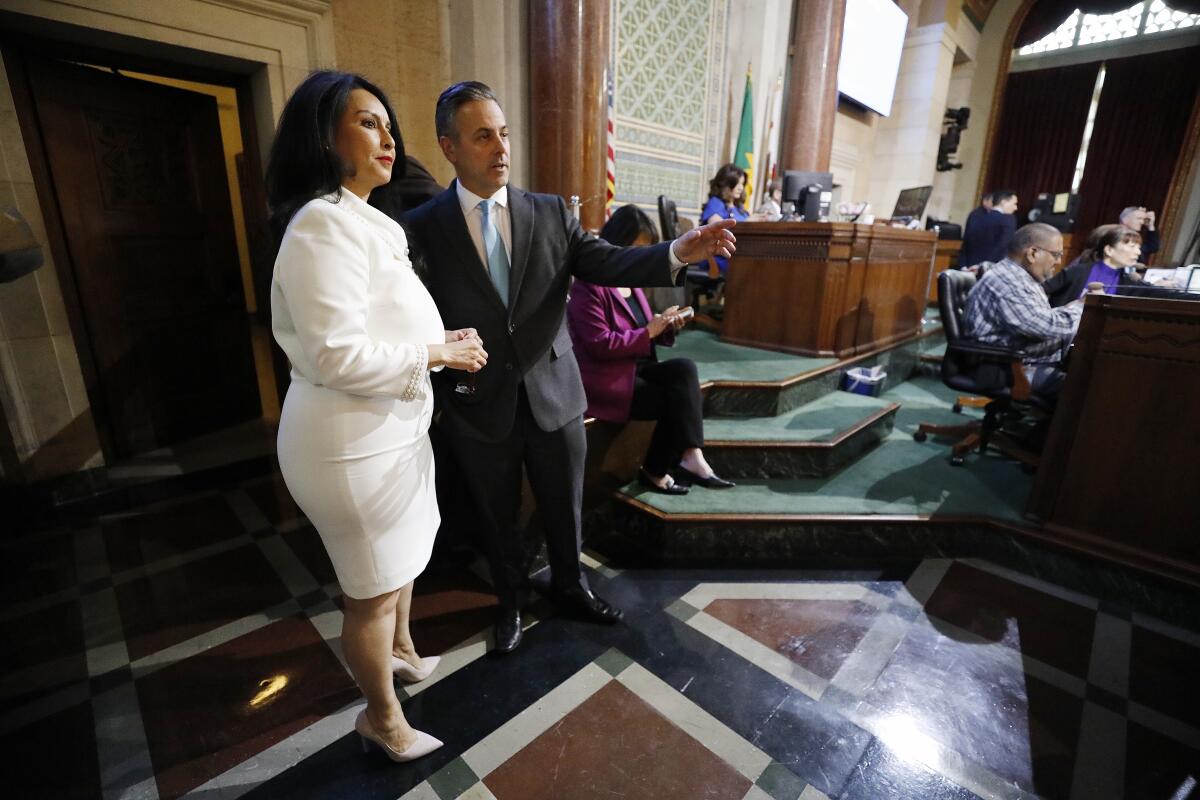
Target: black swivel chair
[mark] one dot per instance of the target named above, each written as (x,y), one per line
(980,369)
(703,281)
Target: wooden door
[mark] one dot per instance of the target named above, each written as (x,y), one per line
(139,176)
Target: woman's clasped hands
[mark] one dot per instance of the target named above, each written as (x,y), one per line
(463,350)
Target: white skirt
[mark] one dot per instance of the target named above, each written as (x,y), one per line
(361,470)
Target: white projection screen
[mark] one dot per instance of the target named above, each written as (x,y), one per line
(872,40)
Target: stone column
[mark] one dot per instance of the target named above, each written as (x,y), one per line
(810,98)
(569,45)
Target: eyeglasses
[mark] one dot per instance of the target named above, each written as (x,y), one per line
(1058,254)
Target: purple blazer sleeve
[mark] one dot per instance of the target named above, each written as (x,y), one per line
(599,329)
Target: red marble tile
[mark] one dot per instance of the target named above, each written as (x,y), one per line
(54,757)
(1054,631)
(1161,675)
(206,714)
(273,498)
(174,605)
(615,745)
(450,606)
(147,537)
(816,634)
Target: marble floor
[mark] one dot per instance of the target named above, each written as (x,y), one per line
(190,648)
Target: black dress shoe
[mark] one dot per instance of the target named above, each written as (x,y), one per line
(645,480)
(584,603)
(713,481)
(507,631)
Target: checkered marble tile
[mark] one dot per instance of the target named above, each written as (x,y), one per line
(191,648)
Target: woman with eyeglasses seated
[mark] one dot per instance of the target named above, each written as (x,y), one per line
(616,336)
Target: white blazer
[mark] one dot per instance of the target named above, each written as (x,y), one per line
(346,306)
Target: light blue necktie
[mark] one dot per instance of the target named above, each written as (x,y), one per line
(497,257)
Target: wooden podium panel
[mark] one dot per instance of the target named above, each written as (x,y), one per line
(1118,471)
(825,288)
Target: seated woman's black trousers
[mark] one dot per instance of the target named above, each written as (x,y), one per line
(669,392)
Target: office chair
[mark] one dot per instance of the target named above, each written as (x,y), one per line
(703,280)
(980,369)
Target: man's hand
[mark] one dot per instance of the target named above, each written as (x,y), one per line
(713,239)
(1149,220)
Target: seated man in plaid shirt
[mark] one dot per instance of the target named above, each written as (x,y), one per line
(1008,308)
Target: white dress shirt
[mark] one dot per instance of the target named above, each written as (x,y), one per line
(474,216)
(502,219)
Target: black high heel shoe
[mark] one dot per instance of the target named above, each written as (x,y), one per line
(645,480)
(713,481)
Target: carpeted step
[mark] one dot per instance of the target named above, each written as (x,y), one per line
(748,382)
(814,440)
(902,483)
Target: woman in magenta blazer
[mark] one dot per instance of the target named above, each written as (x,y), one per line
(616,335)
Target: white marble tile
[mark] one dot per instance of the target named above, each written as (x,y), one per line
(760,655)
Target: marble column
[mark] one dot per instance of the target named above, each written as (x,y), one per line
(569,44)
(810,99)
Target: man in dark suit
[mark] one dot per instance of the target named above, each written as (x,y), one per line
(987,234)
(500,260)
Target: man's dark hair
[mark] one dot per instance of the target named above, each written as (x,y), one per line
(1035,234)
(454,98)
(1002,195)
(303,164)
(626,223)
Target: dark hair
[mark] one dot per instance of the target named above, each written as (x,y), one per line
(1035,234)
(1002,195)
(1106,236)
(626,224)
(727,177)
(454,98)
(303,164)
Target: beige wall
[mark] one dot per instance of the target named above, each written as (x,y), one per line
(414,50)
(41,385)
(875,157)
(757,36)
(988,57)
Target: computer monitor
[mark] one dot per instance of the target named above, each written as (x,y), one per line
(911,202)
(1193,285)
(810,193)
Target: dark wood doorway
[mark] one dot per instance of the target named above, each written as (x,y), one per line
(139,179)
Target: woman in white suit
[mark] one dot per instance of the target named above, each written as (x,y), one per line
(362,334)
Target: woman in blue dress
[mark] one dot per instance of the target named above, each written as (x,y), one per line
(726,198)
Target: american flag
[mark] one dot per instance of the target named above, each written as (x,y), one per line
(610,179)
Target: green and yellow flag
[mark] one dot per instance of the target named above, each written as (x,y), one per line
(744,154)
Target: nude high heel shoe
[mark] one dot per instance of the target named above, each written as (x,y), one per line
(423,746)
(410,674)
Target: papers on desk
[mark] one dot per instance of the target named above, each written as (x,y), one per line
(1183,278)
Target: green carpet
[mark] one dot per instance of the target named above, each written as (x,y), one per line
(898,477)
(718,361)
(818,421)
